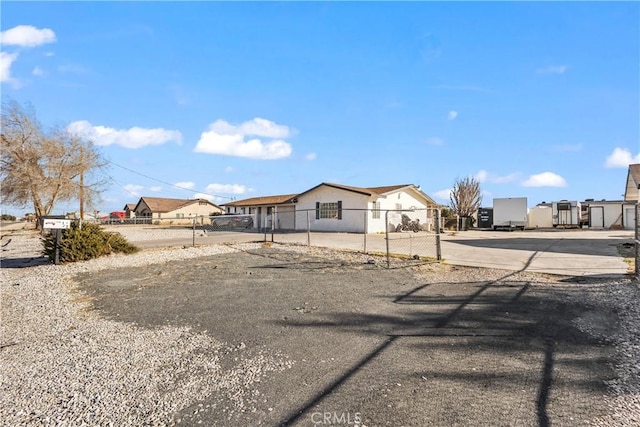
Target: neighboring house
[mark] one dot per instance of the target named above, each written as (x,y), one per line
(339,208)
(633,183)
(175,210)
(130,210)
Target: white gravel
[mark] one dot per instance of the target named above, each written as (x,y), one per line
(64,365)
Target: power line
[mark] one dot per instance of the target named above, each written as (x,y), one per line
(168,183)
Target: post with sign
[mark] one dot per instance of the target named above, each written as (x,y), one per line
(57,224)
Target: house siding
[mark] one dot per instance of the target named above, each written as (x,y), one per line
(352,221)
(401,199)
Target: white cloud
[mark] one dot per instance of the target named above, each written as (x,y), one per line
(185,184)
(545,179)
(484,176)
(227,189)
(37,71)
(434,141)
(27,36)
(621,158)
(155,189)
(443,194)
(452,115)
(136,137)
(134,189)
(6,59)
(49,54)
(553,69)
(311,156)
(229,140)
(229,169)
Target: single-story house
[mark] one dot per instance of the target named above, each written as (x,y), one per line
(164,210)
(130,210)
(340,208)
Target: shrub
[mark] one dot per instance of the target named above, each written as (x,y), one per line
(90,241)
(6,217)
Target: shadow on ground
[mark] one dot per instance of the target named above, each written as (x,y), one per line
(602,247)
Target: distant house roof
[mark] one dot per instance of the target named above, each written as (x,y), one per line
(261,201)
(129,206)
(289,198)
(633,181)
(162,205)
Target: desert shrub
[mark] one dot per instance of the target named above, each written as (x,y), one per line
(90,241)
(7,217)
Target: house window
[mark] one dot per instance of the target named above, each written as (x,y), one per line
(180,216)
(331,210)
(202,203)
(398,206)
(376,210)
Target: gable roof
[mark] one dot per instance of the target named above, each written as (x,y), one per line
(289,198)
(633,181)
(260,201)
(162,204)
(130,206)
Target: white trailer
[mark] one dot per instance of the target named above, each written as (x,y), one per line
(567,214)
(510,213)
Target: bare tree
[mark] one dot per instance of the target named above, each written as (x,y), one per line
(466,196)
(43,168)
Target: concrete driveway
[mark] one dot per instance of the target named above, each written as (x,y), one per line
(571,252)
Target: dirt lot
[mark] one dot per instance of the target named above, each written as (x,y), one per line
(430,345)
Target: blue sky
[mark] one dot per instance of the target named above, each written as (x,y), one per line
(235,100)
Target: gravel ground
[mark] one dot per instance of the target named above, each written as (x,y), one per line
(64,364)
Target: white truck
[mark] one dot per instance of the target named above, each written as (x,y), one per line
(510,213)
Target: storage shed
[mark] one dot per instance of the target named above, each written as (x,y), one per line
(605,214)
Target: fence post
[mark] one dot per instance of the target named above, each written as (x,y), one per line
(638,237)
(264,228)
(366,217)
(438,247)
(194,232)
(386,236)
(308,230)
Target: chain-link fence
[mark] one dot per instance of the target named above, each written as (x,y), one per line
(404,237)
(637,239)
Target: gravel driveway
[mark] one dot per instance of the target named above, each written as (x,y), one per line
(252,335)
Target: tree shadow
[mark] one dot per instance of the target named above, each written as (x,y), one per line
(500,317)
(24,262)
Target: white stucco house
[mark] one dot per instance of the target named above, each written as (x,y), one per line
(339,208)
(160,209)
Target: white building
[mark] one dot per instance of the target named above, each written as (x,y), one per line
(339,208)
